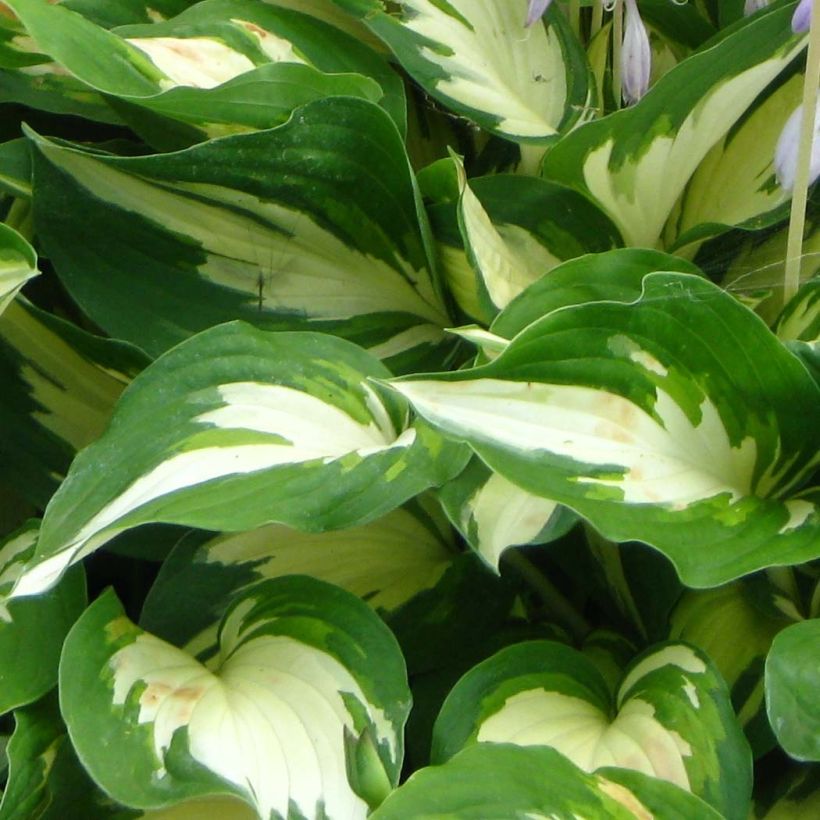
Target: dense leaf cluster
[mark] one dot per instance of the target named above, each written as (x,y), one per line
(397,423)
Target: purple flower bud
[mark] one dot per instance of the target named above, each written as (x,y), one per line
(751,6)
(785,155)
(636,55)
(801,20)
(536,10)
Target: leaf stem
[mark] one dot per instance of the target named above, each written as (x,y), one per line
(575,17)
(20,218)
(597,18)
(555,602)
(797,216)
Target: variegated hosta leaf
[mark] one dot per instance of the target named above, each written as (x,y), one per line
(596,277)
(18,264)
(623,412)
(253,227)
(792,684)
(736,635)
(670,718)
(507,231)
(60,385)
(493,514)
(237,428)
(300,662)
(637,162)
(32,630)
(219,40)
(385,563)
(502,780)
(477,57)
(735,183)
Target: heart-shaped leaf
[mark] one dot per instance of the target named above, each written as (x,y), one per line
(670,718)
(300,663)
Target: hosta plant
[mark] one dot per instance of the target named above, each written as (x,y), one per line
(409,409)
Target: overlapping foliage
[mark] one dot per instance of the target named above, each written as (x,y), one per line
(395,423)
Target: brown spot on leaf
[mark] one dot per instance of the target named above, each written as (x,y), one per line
(154,694)
(252,28)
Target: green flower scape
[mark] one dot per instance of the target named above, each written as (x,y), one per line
(410,410)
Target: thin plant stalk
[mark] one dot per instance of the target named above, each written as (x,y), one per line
(575,17)
(597,18)
(797,216)
(556,604)
(20,217)
(617,46)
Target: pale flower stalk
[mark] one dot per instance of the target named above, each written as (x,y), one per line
(636,55)
(785,155)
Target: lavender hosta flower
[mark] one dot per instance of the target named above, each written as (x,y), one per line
(785,155)
(636,55)
(801,20)
(536,10)
(751,6)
